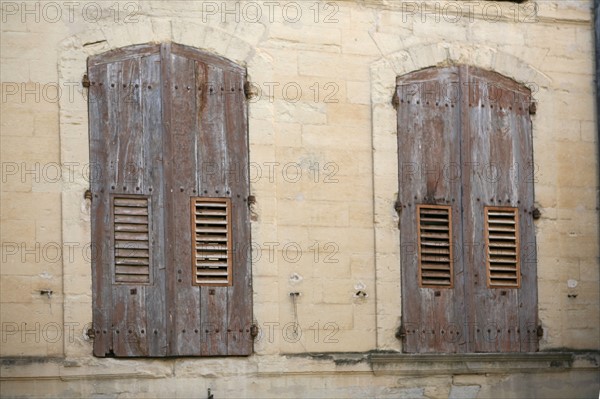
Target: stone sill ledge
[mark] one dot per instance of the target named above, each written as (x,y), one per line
(332,363)
(482,363)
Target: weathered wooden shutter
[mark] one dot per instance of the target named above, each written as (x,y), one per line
(207,140)
(163,131)
(429,182)
(464,142)
(497,156)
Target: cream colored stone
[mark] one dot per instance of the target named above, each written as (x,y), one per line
(346,228)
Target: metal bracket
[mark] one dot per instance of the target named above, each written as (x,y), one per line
(91,333)
(253,331)
(532,108)
(395,100)
(85,81)
(536,213)
(251,200)
(249,90)
(401,332)
(398,207)
(539,331)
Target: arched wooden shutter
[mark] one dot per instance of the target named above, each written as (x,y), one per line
(168,128)
(465,151)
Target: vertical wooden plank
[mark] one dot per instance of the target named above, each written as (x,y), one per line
(180,187)
(168,208)
(152,185)
(129,319)
(99,98)
(527,294)
(211,149)
(239,312)
(429,170)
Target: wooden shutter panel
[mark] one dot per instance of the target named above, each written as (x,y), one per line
(207,115)
(497,150)
(163,130)
(125,145)
(429,159)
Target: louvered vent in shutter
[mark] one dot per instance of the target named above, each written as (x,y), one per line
(132,249)
(435,245)
(502,243)
(212,243)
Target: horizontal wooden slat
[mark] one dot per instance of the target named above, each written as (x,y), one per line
(132,253)
(131,219)
(128,269)
(133,236)
(131,278)
(435,243)
(126,210)
(435,259)
(212,212)
(138,228)
(132,261)
(131,202)
(211,264)
(211,229)
(122,244)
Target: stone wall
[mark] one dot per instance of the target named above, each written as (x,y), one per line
(324,172)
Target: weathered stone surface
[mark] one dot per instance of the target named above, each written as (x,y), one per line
(339,131)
